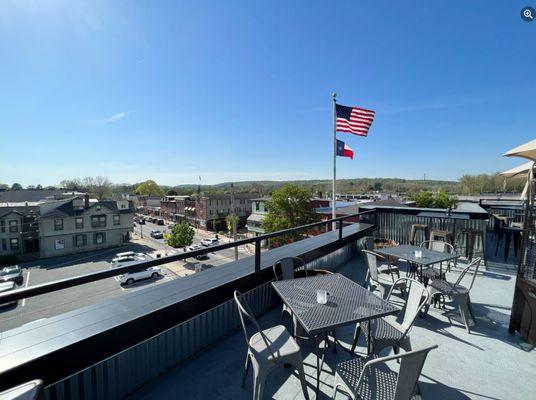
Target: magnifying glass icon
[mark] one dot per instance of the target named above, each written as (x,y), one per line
(528,14)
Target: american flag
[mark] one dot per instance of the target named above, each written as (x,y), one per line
(354,120)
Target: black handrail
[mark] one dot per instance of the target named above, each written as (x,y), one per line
(31,291)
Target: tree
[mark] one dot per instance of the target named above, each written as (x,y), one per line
(171,192)
(16,186)
(182,235)
(229,221)
(149,188)
(289,207)
(3,186)
(427,199)
(101,187)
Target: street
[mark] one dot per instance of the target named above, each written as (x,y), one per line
(52,269)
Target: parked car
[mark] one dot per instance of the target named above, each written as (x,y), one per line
(155,233)
(207,242)
(141,221)
(11,274)
(120,261)
(130,254)
(7,286)
(171,226)
(195,247)
(160,222)
(131,277)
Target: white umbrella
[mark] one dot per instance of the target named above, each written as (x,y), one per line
(527,150)
(520,169)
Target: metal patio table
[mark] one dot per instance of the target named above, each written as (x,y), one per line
(348,303)
(407,252)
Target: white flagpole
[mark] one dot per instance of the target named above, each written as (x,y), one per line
(334,203)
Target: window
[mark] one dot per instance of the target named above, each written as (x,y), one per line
(4,244)
(13,225)
(210,212)
(79,240)
(79,222)
(117,219)
(100,238)
(257,206)
(98,221)
(14,243)
(58,224)
(3,226)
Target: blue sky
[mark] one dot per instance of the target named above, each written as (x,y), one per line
(241,90)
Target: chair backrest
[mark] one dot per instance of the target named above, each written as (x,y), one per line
(368,243)
(245,313)
(411,364)
(288,266)
(416,298)
(473,268)
(438,245)
(370,259)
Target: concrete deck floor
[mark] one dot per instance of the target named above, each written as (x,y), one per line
(489,363)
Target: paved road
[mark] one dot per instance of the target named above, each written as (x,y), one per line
(48,270)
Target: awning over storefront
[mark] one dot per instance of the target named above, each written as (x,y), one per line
(256,217)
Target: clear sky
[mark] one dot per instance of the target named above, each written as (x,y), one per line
(241,90)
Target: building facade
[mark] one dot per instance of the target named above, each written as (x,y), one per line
(211,211)
(76,225)
(18,229)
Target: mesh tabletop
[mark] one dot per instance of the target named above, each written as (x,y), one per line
(407,252)
(347,303)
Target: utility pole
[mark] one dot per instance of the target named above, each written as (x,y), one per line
(233,213)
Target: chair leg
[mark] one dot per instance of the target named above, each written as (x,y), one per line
(246,369)
(464,311)
(258,384)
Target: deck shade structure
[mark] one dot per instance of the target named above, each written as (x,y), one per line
(519,170)
(523,316)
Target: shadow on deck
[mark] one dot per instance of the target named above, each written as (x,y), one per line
(488,364)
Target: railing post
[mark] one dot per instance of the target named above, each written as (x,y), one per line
(257,256)
(340,230)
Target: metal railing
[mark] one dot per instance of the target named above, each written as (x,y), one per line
(31,291)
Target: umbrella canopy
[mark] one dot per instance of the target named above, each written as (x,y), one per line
(527,150)
(520,169)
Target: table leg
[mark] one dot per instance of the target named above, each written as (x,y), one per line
(507,241)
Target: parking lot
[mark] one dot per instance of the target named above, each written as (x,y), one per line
(48,270)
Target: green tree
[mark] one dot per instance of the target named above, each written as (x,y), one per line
(3,186)
(428,199)
(149,188)
(182,235)
(229,221)
(172,192)
(16,186)
(289,207)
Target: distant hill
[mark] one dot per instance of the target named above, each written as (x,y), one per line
(357,186)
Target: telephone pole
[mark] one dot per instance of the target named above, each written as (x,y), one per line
(233,213)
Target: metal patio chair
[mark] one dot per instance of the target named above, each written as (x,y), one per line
(458,293)
(387,332)
(375,279)
(287,270)
(437,245)
(388,269)
(267,349)
(371,378)
(32,390)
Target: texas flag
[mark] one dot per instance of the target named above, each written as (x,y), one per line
(344,150)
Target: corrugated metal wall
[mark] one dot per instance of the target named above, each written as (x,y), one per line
(398,227)
(124,372)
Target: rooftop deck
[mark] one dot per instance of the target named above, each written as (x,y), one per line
(489,363)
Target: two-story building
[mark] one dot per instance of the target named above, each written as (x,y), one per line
(18,229)
(76,225)
(211,210)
